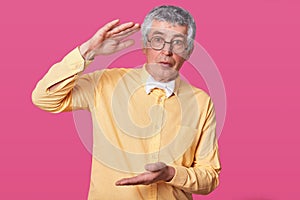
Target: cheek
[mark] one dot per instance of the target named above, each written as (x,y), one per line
(179,62)
(151,55)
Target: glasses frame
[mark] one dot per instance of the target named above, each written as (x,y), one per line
(163,46)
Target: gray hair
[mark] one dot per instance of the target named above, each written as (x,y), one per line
(174,15)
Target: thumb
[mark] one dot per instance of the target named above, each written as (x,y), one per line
(153,167)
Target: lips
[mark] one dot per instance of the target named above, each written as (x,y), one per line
(165,64)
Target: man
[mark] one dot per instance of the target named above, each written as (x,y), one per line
(153,133)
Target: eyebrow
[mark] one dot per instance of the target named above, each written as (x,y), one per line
(161,33)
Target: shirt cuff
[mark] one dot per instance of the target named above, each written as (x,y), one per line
(76,61)
(180,176)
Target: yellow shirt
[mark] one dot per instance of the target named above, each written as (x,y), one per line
(132,128)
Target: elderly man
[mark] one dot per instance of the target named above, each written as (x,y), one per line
(153,133)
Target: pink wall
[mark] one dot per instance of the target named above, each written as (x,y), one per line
(255,45)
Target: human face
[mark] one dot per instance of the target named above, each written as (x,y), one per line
(163,65)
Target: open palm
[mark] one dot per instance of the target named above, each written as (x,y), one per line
(109,39)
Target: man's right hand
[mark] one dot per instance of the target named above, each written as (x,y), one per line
(109,39)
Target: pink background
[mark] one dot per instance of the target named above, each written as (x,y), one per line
(255,45)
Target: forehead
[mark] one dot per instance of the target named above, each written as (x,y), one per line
(167,29)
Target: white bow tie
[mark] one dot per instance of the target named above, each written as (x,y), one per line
(168,87)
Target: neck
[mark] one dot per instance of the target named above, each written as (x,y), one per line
(160,78)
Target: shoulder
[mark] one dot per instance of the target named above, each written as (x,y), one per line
(113,75)
(187,89)
(120,71)
(193,96)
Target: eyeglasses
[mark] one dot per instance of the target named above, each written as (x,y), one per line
(176,46)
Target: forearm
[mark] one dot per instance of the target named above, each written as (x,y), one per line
(198,180)
(203,176)
(53,91)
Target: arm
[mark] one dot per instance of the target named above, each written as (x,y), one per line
(63,88)
(201,178)
(53,91)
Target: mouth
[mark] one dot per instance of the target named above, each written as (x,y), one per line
(165,64)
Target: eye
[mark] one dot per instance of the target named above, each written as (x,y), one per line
(177,42)
(158,39)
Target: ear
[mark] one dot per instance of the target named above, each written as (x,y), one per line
(144,50)
(189,53)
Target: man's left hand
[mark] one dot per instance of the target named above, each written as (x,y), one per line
(155,172)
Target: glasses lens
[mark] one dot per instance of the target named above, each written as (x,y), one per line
(178,46)
(157,43)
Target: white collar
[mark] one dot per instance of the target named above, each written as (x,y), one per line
(151,83)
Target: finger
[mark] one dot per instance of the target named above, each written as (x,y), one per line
(126,33)
(129,29)
(121,28)
(126,181)
(154,167)
(110,25)
(136,180)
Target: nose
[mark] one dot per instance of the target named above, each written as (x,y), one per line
(167,50)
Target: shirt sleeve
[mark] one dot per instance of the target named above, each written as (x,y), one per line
(63,88)
(203,176)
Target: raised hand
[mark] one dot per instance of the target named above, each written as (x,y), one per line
(109,39)
(155,172)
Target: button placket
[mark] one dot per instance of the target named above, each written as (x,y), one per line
(155,141)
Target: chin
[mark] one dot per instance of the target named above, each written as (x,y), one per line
(165,77)
(161,73)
